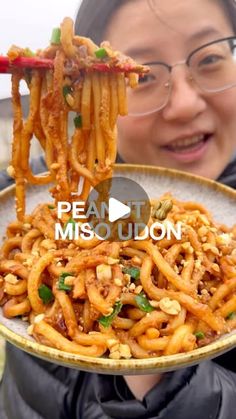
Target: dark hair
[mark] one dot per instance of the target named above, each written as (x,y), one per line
(93,16)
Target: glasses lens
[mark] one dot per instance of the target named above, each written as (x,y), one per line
(213,66)
(152,92)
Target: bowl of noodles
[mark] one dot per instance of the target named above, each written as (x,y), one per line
(133,306)
(161,326)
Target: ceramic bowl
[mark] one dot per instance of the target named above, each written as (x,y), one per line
(219,199)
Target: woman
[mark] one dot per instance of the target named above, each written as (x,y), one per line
(189,126)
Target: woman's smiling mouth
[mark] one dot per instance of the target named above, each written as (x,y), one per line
(190,148)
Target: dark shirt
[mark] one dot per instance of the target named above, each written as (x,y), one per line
(35,389)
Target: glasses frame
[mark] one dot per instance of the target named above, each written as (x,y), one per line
(187,63)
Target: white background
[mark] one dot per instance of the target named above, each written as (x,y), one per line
(29,23)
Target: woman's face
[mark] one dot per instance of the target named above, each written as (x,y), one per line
(195,131)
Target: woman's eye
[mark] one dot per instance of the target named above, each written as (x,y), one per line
(210,59)
(147,78)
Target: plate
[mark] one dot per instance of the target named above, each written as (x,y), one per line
(219,199)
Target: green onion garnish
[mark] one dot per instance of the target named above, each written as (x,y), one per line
(101,53)
(66,90)
(133,271)
(199,335)
(56,36)
(61,282)
(143,303)
(45,294)
(78,121)
(51,207)
(106,321)
(231,315)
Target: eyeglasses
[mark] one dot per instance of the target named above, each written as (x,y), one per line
(212,67)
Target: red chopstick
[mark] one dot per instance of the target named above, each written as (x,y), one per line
(7,66)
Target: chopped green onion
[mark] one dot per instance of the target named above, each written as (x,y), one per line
(61,282)
(231,315)
(78,121)
(133,271)
(66,90)
(51,207)
(28,52)
(106,321)
(56,36)
(199,335)
(70,221)
(101,53)
(45,294)
(143,303)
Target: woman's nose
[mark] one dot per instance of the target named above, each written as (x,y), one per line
(186,100)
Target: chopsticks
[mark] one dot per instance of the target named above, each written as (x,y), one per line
(7,66)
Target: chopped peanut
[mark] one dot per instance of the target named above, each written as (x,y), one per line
(213,249)
(69,280)
(132,287)
(11,279)
(127,278)
(187,246)
(202,231)
(27,226)
(197,264)
(223,239)
(115,347)
(125,351)
(104,272)
(118,282)
(11,171)
(215,267)
(137,260)
(112,261)
(120,350)
(138,289)
(35,253)
(109,311)
(39,318)
(58,264)
(169,306)
(154,303)
(28,262)
(114,355)
(111,343)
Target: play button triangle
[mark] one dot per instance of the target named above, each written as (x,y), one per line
(117,209)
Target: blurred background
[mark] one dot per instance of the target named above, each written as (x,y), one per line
(25,23)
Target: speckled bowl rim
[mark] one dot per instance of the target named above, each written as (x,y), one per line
(131,366)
